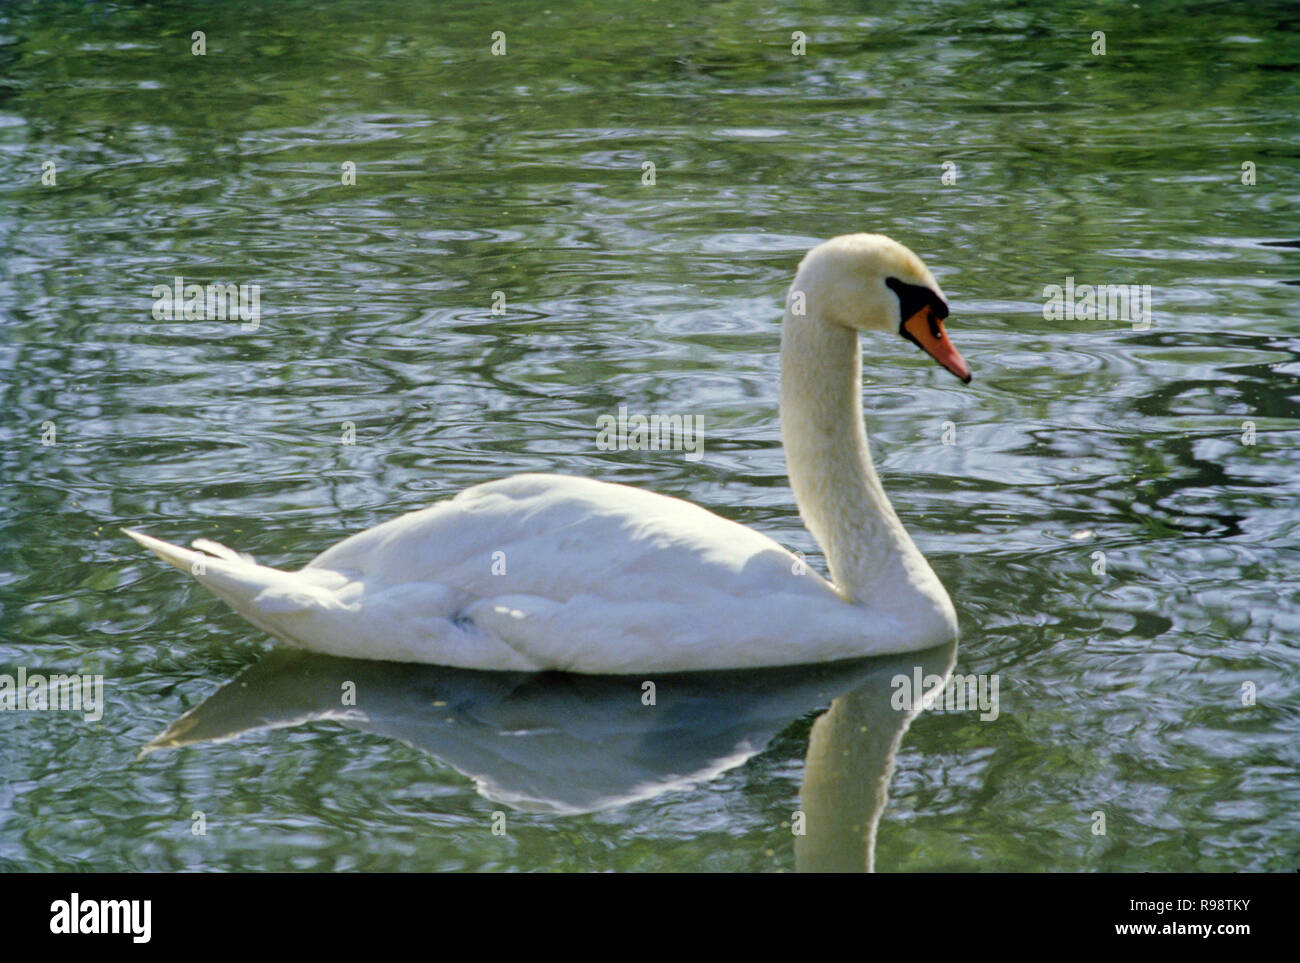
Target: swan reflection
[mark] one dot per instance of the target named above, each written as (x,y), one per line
(568,744)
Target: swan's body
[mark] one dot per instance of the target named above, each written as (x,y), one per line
(541,572)
(597,578)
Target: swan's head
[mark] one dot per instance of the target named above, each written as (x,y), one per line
(869,282)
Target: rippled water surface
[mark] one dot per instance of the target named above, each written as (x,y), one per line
(1120,693)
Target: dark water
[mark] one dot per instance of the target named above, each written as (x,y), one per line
(1120,693)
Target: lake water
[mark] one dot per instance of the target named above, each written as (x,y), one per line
(1155,683)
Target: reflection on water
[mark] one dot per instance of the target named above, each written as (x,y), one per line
(569,744)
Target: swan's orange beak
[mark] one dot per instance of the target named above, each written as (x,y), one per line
(927,331)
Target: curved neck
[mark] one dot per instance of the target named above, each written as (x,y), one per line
(872,560)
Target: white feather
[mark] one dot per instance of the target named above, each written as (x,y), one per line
(551,572)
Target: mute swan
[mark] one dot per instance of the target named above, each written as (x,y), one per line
(595,577)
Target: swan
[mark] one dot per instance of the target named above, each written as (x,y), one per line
(541,572)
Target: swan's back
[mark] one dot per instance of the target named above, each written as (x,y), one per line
(558,536)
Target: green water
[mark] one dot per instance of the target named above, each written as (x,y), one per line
(1120,693)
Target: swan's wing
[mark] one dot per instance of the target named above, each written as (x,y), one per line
(557,537)
(551,572)
(556,572)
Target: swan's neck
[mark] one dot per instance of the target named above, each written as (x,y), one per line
(872,560)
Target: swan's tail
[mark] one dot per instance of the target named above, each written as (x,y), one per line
(267,597)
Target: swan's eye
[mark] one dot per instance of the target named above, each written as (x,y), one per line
(913,298)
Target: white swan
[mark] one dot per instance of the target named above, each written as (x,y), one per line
(603,578)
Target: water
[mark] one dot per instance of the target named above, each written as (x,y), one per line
(1120,693)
